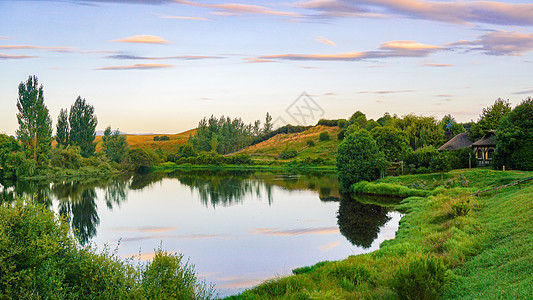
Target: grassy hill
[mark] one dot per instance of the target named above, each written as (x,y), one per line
(271,149)
(147,141)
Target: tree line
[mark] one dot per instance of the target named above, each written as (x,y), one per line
(31,151)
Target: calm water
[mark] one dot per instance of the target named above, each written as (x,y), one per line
(237,228)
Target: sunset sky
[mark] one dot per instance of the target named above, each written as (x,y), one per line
(159,66)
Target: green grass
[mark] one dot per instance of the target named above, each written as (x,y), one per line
(482,251)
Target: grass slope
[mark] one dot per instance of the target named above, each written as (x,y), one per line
(486,244)
(271,149)
(146,141)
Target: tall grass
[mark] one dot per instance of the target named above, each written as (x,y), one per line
(449,245)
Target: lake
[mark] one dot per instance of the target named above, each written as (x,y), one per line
(238,228)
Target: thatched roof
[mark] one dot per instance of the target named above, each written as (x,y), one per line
(488,140)
(457,142)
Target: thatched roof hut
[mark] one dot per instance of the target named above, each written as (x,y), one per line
(457,142)
(488,140)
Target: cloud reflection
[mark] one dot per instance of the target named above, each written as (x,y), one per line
(292,232)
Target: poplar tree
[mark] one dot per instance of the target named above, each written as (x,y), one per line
(82,126)
(35,124)
(62,128)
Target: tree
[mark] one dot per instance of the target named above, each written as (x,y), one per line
(514,138)
(359,158)
(392,141)
(35,124)
(114,145)
(490,118)
(421,131)
(324,136)
(267,127)
(448,124)
(62,129)
(82,126)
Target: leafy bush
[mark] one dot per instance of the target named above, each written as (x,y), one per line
(424,278)
(310,143)
(161,138)
(288,153)
(40,259)
(461,207)
(69,158)
(142,160)
(324,136)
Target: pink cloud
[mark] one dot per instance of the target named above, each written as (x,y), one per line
(324,40)
(184,18)
(386,50)
(8,56)
(137,67)
(275,231)
(500,43)
(144,39)
(457,12)
(229,9)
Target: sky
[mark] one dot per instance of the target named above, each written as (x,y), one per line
(160,66)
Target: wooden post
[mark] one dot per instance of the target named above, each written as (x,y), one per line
(470,160)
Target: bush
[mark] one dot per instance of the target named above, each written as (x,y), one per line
(425,278)
(310,143)
(142,160)
(288,153)
(324,136)
(461,207)
(40,259)
(69,158)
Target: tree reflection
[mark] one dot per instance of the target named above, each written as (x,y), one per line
(116,192)
(77,202)
(360,223)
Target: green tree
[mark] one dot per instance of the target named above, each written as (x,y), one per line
(8,147)
(267,127)
(359,158)
(514,138)
(490,118)
(35,124)
(62,129)
(421,131)
(141,160)
(392,141)
(448,123)
(440,163)
(82,126)
(324,136)
(114,145)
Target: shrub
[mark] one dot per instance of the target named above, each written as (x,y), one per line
(324,136)
(424,278)
(40,259)
(288,153)
(69,158)
(142,160)
(461,207)
(310,143)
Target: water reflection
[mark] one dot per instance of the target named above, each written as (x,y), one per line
(78,200)
(360,223)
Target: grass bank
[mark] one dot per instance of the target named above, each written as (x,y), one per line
(170,167)
(449,244)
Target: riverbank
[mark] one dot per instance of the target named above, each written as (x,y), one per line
(450,244)
(171,167)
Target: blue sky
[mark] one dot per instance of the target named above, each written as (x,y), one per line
(160,66)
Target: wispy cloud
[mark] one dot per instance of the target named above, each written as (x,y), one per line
(257,60)
(30,47)
(5,37)
(386,50)
(456,12)
(291,232)
(143,39)
(499,43)
(8,56)
(183,57)
(144,229)
(137,67)
(526,92)
(384,92)
(183,17)
(231,9)
(326,248)
(324,40)
(429,63)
